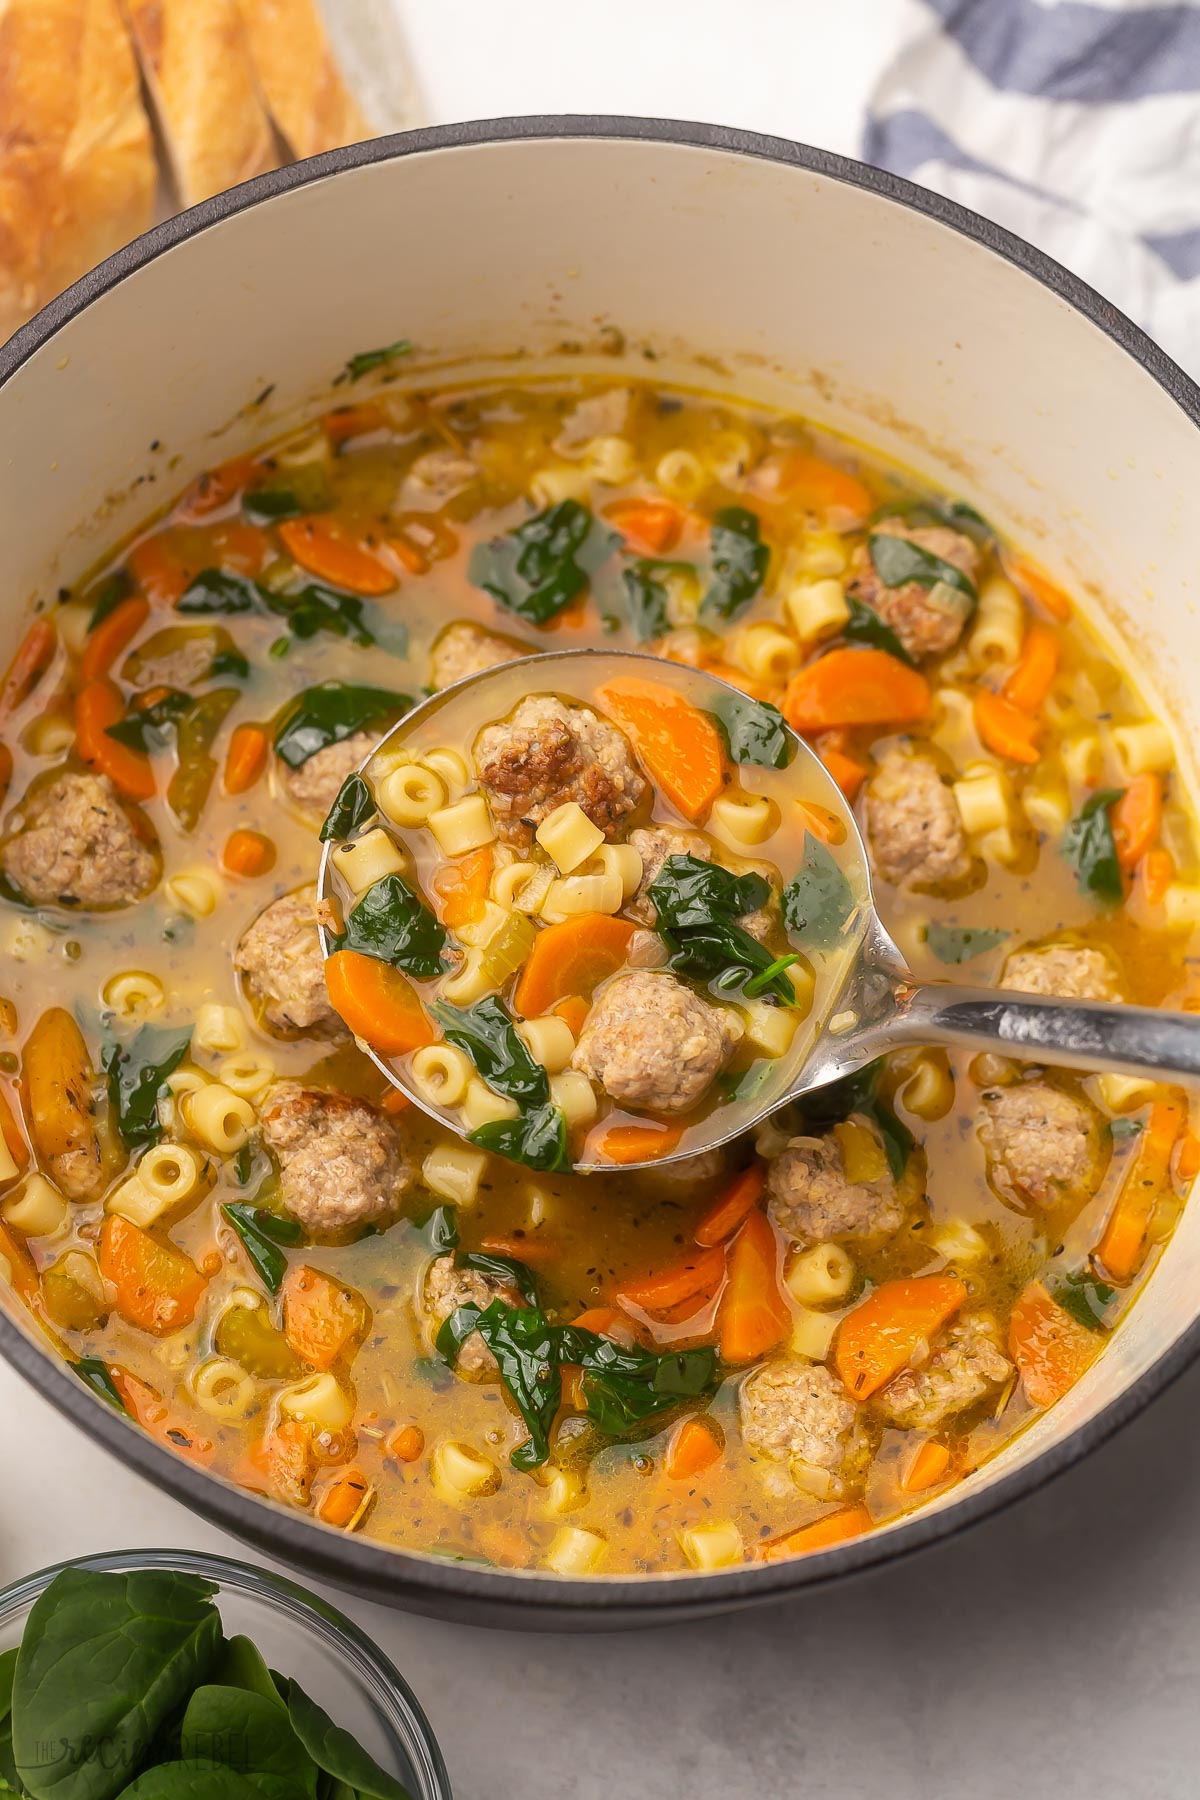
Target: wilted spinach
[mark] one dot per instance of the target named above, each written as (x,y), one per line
(151,728)
(754,731)
(898,561)
(364,361)
(739,559)
(859,1093)
(137,1073)
(864,626)
(539,567)
(487,1034)
(1085,1297)
(354,805)
(324,715)
(217,591)
(538,1139)
(960,943)
(1089,846)
(818,901)
(393,924)
(94,1373)
(698,906)
(262,1233)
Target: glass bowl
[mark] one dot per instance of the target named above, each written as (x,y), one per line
(298,1634)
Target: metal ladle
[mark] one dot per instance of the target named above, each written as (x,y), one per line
(873,1003)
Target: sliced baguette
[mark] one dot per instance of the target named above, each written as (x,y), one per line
(311,105)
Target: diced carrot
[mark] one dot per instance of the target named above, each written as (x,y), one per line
(23,1270)
(246,758)
(152,1413)
(886,1330)
(698,1273)
(354,420)
(236,545)
(377,1002)
(855,687)
(607,1321)
(731,1205)
(395,1102)
(284,1461)
(344,1501)
(34,655)
(215,488)
(927,1468)
(1146,1178)
(158,570)
(1187,1162)
(624,1144)
(680,745)
(406,1444)
(574,1010)
(1005,729)
(11,1132)
(848,774)
(112,635)
(822,487)
(248,853)
(693,1447)
(651,525)
(97,706)
(157,1287)
(463,887)
(753,1315)
(1030,682)
(834,1528)
(322,547)
(1050,1348)
(1137,819)
(1157,872)
(1039,587)
(539,1253)
(569,960)
(323,1321)
(413,559)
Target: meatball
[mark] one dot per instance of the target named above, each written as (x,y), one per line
(600,415)
(913,823)
(1041,1142)
(654,843)
(80,844)
(341,1161)
(812,1200)
(445,1289)
(927,621)
(279,957)
(797,1412)
(437,477)
(1073,972)
(465,649)
(966,1365)
(313,787)
(548,753)
(650,1041)
(175,658)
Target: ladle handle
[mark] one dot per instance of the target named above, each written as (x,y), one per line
(1084,1034)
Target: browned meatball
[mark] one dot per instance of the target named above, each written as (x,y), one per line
(548,753)
(797,1413)
(650,1041)
(812,1200)
(313,787)
(1042,1143)
(444,1290)
(1071,971)
(927,621)
(341,1161)
(913,823)
(279,958)
(78,843)
(465,649)
(966,1365)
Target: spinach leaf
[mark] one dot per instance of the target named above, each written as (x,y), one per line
(191,1780)
(327,714)
(8,1671)
(688,892)
(152,1636)
(393,924)
(251,1734)
(487,1034)
(698,905)
(960,943)
(94,1373)
(858,1093)
(315,608)
(231,663)
(864,626)
(354,805)
(262,1233)
(9,1778)
(626,1389)
(336,1752)
(526,1348)
(136,1075)
(727,956)
(112,590)
(151,728)
(216,591)
(440,1230)
(267,506)
(538,1139)
(959,515)
(539,567)
(739,559)
(818,902)
(744,1084)
(755,731)
(365,360)
(898,1140)
(646,595)
(1089,846)
(1085,1298)
(242,1666)
(897,561)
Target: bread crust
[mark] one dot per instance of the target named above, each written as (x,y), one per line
(307,98)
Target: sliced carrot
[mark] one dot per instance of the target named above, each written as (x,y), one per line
(652,525)
(344,1500)
(574,1010)
(147,1406)
(463,887)
(34,655)
(236,545)
(215,488)
(607,1321)
(1050,1348)
(377,1002)
(1030,682)
(1137,819)
(1187,1163)
(1157,873)
(112,635)
(322,547)
(927,1468)
(406,1444)
(834,1528)
(246,758)
(693,1447)
(848,773)
(698,1273)
(97,706)
(23,1270)
(11,1133)
(284,1461)
(157,1287)
(537,1252)
(570,960)
(855,687)
(248,853)
(158,570)
(1005,729)
(823,487)
(624,1144)
(1147,1177)
(886,1330)
(753,1315)
(354,420)
(1039,587)
(395,1102)
(731,1205)
(821,822)
(323,1321)
(680,745)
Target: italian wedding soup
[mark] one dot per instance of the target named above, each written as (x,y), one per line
(576,921)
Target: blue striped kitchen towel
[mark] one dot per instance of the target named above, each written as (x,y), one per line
(1076,124)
